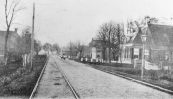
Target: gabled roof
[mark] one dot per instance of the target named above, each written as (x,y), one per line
(98,43)
(161,35)
(158,36)
(95,43)
(11,42)
(137,40)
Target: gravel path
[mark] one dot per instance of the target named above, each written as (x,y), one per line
(94,84)
(52,84)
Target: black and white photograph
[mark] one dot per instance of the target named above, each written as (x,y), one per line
(86,49)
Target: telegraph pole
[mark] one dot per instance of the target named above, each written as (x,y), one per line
(32,36)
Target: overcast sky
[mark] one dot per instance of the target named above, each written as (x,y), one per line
(62,21)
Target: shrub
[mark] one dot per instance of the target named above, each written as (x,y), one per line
(168,77)
(153,74)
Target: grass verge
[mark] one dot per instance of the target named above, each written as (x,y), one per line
(21,81)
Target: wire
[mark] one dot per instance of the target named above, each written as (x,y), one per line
(44,8)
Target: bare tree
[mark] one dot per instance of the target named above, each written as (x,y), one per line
(71,47)
(109,35)
(79,47)
(106,32)
(10,15)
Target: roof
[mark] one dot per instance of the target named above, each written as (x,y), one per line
(97,43)
(137,40)
(158,36)
(161,36)
(11,38)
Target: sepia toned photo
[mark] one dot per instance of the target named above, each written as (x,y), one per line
(86,49)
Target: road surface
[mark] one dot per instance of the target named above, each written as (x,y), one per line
(91,84)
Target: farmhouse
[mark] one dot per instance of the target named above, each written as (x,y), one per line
(13,41)
(158,45)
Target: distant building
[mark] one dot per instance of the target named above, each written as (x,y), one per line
(97,50)
(72,54)
(13,41)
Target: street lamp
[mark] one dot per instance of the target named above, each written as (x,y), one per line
(143,38)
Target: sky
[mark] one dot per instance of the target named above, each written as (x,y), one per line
(62,21)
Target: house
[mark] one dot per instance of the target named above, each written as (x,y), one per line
(95,49)
(98,50)
(12,43)
(158,45)
(72,53)
(86,51)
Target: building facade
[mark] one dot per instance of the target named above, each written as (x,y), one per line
(158,45)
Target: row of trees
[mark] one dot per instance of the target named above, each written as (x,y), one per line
(111,35)
(52,48)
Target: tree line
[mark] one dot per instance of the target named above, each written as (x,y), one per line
(111,35)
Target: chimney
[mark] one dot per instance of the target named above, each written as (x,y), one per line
(16,30)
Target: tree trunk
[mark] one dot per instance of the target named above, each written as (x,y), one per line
(109,48)
(109,54)
(103,54)
(120,56)
(5,47)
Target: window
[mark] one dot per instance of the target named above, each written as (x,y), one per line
(136,53)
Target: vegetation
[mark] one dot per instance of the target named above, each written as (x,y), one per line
(20,81)
(11,11)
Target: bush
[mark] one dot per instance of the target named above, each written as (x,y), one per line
(168,77)
(153,74)
(15,57)
(132,71)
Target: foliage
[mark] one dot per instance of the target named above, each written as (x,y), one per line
(26,41)
(47,47)
(21,81)
(37,46)
(56,48)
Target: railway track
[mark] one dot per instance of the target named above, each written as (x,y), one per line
(36,85)
(76,96)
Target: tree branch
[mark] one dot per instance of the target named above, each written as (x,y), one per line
(10,8)
(6,15)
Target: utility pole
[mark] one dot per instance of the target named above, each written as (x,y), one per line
(32,36)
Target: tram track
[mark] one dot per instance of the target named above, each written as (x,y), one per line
(76,95)
(37,83)
(73,91)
